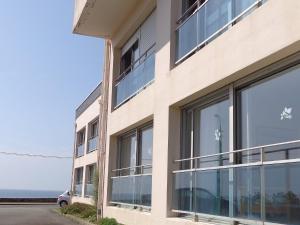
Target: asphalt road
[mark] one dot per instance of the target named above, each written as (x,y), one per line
(31,215)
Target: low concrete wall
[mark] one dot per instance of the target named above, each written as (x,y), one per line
(28,200)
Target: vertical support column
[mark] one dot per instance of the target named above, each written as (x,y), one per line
(262,186)
(166,126)
(231,149)
(103,117)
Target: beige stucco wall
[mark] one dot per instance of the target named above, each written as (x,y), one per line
(89,115)
(267,35)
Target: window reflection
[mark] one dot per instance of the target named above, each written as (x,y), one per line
(266,117)
(283,193)
(247,192)
(211,133)
(211,192)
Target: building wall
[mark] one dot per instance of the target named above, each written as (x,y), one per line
(267,35)
(89,115)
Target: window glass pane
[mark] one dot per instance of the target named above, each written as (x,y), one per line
(217,14)
(94,129)
(270,110)
(186,140)
(241,6)
(146,148)
(283,193)
(211,192)
(128,153)
(186,37)
(211,132)
(247,192)
(183,191)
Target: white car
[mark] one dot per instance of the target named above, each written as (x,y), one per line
(64,199)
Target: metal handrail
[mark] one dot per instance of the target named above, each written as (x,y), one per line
(133,167)
(132,175)
(240,150)
(144,56)
(128,204)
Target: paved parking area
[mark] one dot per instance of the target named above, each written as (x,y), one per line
(31,215)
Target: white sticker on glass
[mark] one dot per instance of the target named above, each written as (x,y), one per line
(218,135)
(286,114)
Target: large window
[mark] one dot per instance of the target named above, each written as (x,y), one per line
(128,153)
(254,178)
(80,143)
(78,178)
(270,110)
(206,131)
(135,151)
(132,180)
(90,179)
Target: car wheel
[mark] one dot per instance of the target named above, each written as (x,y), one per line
(63,204)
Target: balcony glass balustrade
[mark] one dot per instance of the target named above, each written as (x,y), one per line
(89,189)
(132,190)
(80,150)
(262,187)
(208,21)
(135,78)
(78,189)
(92,144)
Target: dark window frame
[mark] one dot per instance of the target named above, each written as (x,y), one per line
(137,133)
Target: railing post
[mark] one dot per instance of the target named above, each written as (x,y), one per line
(262,187)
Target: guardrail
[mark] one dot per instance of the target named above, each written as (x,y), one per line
(256,184)
(134,189)
(80,150)
(135,78)
(204,22)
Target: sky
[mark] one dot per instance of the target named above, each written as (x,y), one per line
(45,73)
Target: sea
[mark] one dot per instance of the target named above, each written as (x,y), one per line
(9,193)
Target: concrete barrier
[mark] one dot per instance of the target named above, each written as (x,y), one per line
(28,200)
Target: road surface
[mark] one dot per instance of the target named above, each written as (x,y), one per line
(31,215)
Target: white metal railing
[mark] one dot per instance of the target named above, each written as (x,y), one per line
(254,157)
(133,189)
(195,31)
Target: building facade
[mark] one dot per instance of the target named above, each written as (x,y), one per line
(86,148)
(203,119)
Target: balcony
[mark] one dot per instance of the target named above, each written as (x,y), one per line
(132,190)
(261,187)
(80,150)
(201,24)
(135,78)
(102,18)
(92,144)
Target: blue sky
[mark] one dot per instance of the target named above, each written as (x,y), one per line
(45,73)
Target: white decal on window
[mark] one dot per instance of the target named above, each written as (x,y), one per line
(218,135)
(286,113)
